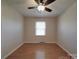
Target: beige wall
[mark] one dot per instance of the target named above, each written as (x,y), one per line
(12,29)
(67,29)
(30,30)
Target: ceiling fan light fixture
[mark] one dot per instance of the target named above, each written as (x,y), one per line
(41,8)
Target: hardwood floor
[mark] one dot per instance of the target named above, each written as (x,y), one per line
(39,51)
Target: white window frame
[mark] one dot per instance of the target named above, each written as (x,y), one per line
(42,28)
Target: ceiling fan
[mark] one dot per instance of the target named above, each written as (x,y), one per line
(42,5)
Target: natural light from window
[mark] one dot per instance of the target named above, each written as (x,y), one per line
(40,28)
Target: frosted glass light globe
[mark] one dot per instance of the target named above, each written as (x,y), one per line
(41,8)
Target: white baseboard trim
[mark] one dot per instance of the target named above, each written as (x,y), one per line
(39,42)
(67,51)
(12,51)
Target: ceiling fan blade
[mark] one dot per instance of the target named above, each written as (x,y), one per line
(47,9)
(41,1)
(37,1)
(49,1)
(31,7)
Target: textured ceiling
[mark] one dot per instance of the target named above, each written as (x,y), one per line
(58,7)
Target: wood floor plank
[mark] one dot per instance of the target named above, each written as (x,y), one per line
(39,51)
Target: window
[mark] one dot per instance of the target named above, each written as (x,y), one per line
(40,28)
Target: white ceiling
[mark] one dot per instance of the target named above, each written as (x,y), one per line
(58,7)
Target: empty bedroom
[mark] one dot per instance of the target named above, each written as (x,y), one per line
(38,29)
